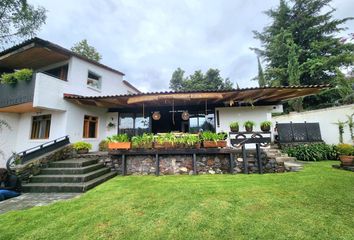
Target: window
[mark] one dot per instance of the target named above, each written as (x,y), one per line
(90,127)
(41,127)
(93,80)
(58,72)
(133,124)
(198,121)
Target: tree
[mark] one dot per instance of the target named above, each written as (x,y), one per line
(18,20)
(260,78)
(211,80)
(313,30)
(84,49)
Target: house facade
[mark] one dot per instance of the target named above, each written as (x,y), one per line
(88,101)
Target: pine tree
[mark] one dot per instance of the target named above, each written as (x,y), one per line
(260,77)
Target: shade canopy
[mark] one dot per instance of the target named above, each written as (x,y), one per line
(254,96)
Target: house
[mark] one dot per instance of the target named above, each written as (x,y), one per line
(72,95)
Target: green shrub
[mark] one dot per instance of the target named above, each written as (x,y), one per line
(20,75)
(234,125)
(221,136)
(118,138)
(249,124)
(345,149)
(266,124)
(82,146)
(143,141)
(103,146)
(313,152)
(209,136)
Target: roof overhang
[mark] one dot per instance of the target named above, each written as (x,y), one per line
(253,96)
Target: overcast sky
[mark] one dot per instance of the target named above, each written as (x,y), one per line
(148,40)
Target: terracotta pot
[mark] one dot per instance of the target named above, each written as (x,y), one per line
(221,143)
(249,129)
(210,144)
(265,128)
(169,145)
(346,160)
(119,145)
(159,145)
(82,151)
(234,129)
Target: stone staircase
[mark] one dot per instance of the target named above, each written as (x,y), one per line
(71,175)
(290,163)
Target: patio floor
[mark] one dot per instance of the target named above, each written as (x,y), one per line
(28,200)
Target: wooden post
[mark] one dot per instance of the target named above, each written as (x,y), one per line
(157,164)
(259,160)
(194,164)
(245,161)
(124,165)
(231,163)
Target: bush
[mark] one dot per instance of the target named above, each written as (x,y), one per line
(20,75)
(313,152)
(234,125)
(82,146)
(103,146)
(345,149)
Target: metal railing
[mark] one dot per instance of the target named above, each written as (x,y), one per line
(35,152)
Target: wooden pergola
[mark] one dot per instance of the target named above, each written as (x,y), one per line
(250,96)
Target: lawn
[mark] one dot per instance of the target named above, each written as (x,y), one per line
(317,203)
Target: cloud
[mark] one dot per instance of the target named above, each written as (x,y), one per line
(148,40)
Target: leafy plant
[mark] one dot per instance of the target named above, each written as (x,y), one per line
(341,126)
(221,136)
(234,125)
(166,137)
(111,125)
(345,149)
(118,138)
(82,146)
(103,146)
(209,136)
(20,75)
(313,152)
(190,140)
(266,124)
(249,124)
(143,141)
(350,123)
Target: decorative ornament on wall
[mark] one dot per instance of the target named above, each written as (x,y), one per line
(156,116)
(185,115)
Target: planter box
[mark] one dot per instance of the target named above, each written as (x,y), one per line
(144,146)
(222,144)
(82,151)
(210,144)
(346,160)
(120,145)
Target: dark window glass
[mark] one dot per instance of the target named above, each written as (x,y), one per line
(58,72)
(41,127)
(90,127)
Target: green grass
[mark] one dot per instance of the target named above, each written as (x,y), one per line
(316,203)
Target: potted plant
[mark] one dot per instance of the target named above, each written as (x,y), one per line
(119,141)
(265,126)
(209,139)
(249,125)
(221,139)
(191,141)
(82,147)
(346,154)
(165,140)
(144,141)
(234,127)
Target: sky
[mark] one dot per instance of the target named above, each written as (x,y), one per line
(148,40)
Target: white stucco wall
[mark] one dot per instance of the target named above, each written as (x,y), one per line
(326,117)
(8,136)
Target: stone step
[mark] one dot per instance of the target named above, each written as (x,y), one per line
(75,170)
(293,166)
(74,162)
(70,178)
(66,187)
(285,159)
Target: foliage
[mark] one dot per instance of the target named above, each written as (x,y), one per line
(143,141)
(82,146)
(190,140)
(199,81)
(313,152)
(260,77)
(84,49)
(20,75)
(234,125)
(19,20)
(103,146)
(221,136)
(266,124)
(345,149)
(199,207)
(301,46)
(249,124)
(118,138)
(209,136)
(341,126)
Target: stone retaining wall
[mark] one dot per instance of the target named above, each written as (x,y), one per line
(183,164)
